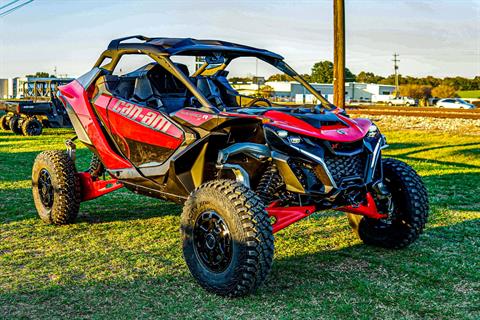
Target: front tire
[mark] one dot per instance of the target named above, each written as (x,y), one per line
(410,200)
(227,238)
(55,187)
(32,127)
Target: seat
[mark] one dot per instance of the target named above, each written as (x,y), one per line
(169,89)
(210,90)
(142,91)
(227,92)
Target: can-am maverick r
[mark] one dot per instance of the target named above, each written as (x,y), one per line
(243,168)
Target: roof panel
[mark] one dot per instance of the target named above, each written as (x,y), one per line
(189,46)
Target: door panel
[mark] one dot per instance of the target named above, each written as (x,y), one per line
(145,136)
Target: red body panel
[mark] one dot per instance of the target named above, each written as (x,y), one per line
(355,130)
(75,95)
(137,123)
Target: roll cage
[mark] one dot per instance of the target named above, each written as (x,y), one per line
(161,49)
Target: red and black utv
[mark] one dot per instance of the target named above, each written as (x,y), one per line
(243,167)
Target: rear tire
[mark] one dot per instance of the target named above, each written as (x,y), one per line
(15,126)
(31,127)
(4,123)
(55,187)
(227,238)
(96,168)
(411,207)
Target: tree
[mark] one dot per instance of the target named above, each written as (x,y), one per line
(266,91)
(240,79)
(368,77)
(416,91)
(280,77)
(322,72)
(40,74)
(444,91)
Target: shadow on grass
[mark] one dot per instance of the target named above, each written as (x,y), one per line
(456,191)
(401,146)
(318,282)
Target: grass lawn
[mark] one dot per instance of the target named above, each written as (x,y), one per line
(123,259)
(469,94)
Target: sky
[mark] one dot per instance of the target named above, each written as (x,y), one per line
(439,38)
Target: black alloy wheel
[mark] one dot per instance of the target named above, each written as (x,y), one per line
(32,127)
(45,188)
(213,241)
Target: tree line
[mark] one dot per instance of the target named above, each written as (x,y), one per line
(415,87)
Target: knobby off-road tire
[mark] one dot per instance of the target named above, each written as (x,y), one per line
(32,127)
(243,256)
(4,123)
(411,207)
(55,187)
(96,168)
(15,126)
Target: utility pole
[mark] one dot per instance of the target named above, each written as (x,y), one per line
(395,68)
(339,53)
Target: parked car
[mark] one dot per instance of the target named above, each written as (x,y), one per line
(402,101)
(454,103)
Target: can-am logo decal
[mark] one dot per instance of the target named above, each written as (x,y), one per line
(141,115)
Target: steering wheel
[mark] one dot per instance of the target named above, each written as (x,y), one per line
(257,100)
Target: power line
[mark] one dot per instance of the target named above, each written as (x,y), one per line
(3,14)
(8,4)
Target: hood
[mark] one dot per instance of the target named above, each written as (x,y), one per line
(327,125)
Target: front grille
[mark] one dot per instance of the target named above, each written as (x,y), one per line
(341,167)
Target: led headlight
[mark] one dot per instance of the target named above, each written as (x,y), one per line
(294,139)
(282,133)
(372,130)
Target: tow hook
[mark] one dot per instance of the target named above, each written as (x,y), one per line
(71,148)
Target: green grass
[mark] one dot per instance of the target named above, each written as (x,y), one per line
(123,259)
(469,94)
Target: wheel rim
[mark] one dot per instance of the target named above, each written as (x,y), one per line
(33,128)
(45,188)
(212,241)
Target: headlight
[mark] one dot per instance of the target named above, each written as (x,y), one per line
(294,139)
(372,130)
(282,133)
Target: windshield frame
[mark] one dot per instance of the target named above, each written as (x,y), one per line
(279,64)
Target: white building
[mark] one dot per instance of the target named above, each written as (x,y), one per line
(7,88)
(293,91)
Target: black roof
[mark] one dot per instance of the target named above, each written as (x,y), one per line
(189,46)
